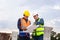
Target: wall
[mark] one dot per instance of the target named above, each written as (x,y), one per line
(5,36)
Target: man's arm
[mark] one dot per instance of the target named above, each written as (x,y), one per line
(19,24)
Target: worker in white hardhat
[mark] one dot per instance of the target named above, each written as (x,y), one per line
(38,33)
(35,14)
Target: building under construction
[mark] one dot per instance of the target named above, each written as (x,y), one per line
(14,34)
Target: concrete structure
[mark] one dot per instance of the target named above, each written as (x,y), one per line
(5,36)
(14,35)
(47,32)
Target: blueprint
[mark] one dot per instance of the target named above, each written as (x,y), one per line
(31,28)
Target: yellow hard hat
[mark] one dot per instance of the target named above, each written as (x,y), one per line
(26,13)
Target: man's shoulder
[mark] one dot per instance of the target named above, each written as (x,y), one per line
(20,18)
(41,18)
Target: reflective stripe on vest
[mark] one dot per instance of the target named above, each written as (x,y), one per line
(38,31)
(24,23)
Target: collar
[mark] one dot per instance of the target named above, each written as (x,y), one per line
(25,19)
(37,19)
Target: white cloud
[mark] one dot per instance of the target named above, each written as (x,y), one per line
(56,29)
(48,7)
(49,23)
(57,7)
(58,19)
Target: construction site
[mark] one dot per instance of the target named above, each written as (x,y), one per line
(14,35)
(48,35)
(29,19)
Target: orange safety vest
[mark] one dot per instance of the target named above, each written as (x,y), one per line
(24,23)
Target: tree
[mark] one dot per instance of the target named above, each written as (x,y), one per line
(52,35)
(58,36)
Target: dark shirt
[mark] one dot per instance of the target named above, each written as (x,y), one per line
(40,22)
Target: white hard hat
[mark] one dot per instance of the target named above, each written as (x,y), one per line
(35,14)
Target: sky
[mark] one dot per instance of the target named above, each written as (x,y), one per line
(12,10)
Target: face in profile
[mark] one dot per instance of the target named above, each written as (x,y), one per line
(26,17)
(35,17)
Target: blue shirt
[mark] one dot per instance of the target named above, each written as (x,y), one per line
(41,21)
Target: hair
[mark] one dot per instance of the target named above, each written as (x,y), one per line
(37,14)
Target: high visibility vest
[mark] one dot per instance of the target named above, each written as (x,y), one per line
(24,23)
(38,31)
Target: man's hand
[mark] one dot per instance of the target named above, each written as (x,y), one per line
(34,30)
(24,28)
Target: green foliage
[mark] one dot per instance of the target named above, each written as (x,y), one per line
(54,36)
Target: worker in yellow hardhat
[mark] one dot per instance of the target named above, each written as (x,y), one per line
(39,31)
(23,23)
